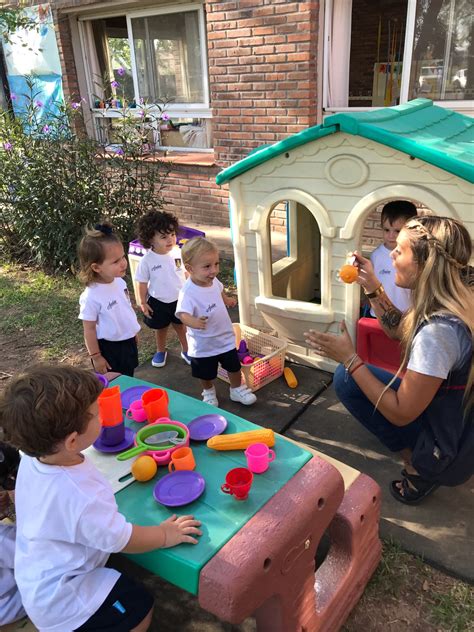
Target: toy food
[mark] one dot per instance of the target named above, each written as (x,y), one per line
(242,440)
(144,468)
(348,273)
(290,377)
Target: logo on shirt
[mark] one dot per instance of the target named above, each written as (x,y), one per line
(178,263)
(210,308)
(157,267)
(383,271)
(111,304)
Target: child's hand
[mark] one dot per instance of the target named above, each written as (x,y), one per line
(100,364)
(178,529)
(146,309)
(200,323)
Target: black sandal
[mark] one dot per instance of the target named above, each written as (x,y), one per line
(412,495)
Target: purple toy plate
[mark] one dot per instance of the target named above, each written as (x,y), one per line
(206,426)
(131,394)
(179,488)
(120,447)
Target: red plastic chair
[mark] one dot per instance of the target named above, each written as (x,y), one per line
(375,347)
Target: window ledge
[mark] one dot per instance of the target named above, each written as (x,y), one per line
(298,310)
(194,158)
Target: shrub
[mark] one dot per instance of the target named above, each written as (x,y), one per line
(54,180)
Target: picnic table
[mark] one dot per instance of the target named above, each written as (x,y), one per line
(256,557)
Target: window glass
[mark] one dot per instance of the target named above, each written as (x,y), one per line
(442,63)
(168,57)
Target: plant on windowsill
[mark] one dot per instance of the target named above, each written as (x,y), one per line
(52,182)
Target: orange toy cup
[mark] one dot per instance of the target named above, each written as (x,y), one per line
(182,459)
(110,406)
(348,273)
(155,403)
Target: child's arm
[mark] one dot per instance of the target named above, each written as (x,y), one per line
(99,363)
(229,301)
(193,321)
(143,291)
(173,531)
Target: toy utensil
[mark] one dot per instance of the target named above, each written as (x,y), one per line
(163,437)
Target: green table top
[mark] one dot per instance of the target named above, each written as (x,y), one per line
(221,515)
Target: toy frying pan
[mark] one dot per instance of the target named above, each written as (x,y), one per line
(161,452)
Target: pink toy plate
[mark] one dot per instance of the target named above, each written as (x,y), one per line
(179,488)
(123,445)
(206,426)
(131,394)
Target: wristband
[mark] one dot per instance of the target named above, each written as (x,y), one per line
(357,366)
(376,292)
(91,355)
(348,366)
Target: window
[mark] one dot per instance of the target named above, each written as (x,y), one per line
(398,50)
(150,61)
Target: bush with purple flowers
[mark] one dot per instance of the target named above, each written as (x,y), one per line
(55,180)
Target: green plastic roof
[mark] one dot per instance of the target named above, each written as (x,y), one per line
(436,135)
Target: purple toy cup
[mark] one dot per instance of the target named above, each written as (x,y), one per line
(103,379)
(113,435)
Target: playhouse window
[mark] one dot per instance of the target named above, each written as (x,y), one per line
(403,50)
(294,254)
(158,59)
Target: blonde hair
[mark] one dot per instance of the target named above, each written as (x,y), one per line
(195,248)
(442,249)
(92,250)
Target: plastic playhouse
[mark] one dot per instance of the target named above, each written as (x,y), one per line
(329,178)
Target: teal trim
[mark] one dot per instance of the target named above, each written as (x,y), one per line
(439,136)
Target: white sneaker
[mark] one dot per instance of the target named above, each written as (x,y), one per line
(209,396)
(243,395)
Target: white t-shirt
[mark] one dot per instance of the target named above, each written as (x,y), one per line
(385,272)
(218,337)
(109,305)
(67,525)
(438,348)
(163,273)
(11,608)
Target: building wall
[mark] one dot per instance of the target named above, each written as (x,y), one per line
(262,60)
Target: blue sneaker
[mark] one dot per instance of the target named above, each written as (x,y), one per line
(186,358)
(159,359)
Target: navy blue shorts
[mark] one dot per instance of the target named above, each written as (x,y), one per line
(125,607)
(163,314)
(122,355)
(206,368)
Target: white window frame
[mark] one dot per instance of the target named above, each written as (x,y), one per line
(464,106)
(174,110)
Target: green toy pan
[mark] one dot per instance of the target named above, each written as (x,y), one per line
(161,453)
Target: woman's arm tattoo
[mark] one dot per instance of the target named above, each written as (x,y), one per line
(390,317)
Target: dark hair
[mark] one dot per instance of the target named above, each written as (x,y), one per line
(9,462)
(92,249)
(398,209)
(155,222)
(42,406)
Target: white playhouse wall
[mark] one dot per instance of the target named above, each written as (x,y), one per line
(340,179)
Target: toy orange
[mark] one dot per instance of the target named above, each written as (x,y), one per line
(144,468)
(348,273)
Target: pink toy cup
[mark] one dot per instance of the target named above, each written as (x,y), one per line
(259,456)
(238,483)
(155,402)
(113,435)
(136,411)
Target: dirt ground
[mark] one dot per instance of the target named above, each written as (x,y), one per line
(404,595)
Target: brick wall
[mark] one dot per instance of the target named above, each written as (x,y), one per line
(262,72)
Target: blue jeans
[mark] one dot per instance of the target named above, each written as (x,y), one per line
(395,438)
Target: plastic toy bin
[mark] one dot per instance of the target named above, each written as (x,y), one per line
(136,251)
(263,370)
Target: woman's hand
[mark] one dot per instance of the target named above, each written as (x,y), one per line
(367,277)
(337,347)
